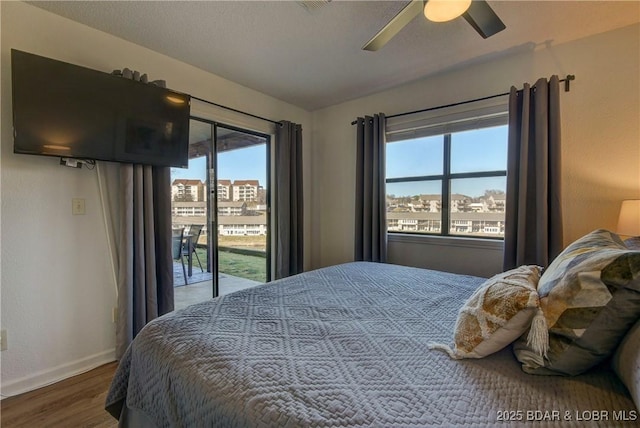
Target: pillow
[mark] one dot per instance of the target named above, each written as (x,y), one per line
(626,362)
(590,296)
(497,313)
(632,243)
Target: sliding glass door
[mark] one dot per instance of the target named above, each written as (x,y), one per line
(220,212)
(242,232)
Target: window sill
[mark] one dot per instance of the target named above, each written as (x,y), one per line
(447,241)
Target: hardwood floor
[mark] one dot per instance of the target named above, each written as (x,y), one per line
(74,402)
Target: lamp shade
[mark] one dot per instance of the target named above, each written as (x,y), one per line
(629,219)
(445,10)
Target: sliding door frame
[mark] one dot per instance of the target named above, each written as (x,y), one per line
(212,217)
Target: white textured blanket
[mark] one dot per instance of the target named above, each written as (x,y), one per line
(341,346)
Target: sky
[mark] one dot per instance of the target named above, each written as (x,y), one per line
(244,164)
(471,151)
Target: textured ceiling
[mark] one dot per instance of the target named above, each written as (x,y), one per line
(311,56)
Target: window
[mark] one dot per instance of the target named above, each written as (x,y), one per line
(448,177)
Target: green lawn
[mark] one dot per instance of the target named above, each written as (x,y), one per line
(249,267)
(243,266)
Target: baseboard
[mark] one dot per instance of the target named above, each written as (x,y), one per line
(56,374)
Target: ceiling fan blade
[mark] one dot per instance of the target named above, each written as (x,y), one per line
(398,22)
(483,19)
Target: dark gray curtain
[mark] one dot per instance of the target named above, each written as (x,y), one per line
(371,218)
(289,214)
(533,226)
(145,274)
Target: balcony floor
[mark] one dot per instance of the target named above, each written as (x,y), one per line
(200,286)
(196,276)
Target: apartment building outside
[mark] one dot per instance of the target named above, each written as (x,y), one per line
(193,190)
(480,216)
(240,206)
(255,225)
(245,190)
(233,225)
(467,223)
(229,208)
(188,209)
(224,190)
(188,190)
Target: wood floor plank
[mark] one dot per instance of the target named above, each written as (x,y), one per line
(73,402)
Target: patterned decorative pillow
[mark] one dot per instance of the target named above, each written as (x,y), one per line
(590,296)
(497,313)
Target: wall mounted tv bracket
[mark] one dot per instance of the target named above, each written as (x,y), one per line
(77,163)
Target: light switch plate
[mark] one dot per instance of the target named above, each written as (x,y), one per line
(77,206)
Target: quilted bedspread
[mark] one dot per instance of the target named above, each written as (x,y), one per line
(343,346)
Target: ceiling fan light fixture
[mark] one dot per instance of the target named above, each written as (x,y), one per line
(445,10)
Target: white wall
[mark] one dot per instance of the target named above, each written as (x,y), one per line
(600,147)
(57,289)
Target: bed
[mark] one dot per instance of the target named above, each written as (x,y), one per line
(343,346)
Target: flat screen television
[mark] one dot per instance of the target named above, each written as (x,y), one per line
(68,111)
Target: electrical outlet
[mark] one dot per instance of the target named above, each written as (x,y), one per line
(77,206)
(3,340)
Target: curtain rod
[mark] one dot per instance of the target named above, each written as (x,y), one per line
(236,110)
(567,82)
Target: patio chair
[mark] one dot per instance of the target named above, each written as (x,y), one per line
(194,231)
(177,237)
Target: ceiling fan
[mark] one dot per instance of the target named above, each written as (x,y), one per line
(478,13)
